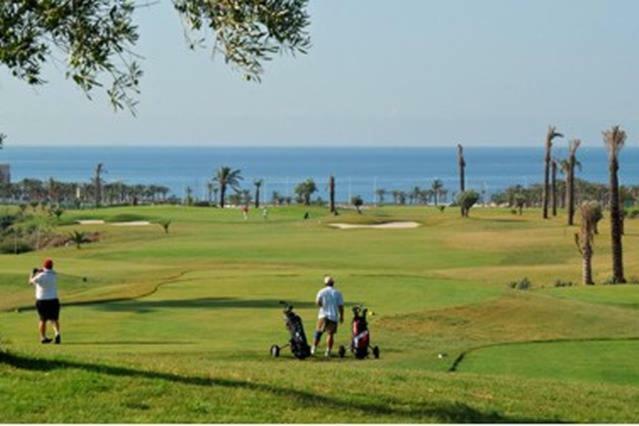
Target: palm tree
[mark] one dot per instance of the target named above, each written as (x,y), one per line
(78,238)
(570,179)
(380,193)
(550,135)
(614,140)
(461,163)
(165,224)
(227,177)
(590,212)
(520,202)
(553,184)
(437,187)
(358,202)
(331,194)
(258,184)
(304,190)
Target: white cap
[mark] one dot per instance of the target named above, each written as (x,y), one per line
(328,280)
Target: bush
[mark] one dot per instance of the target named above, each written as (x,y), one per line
(523,284)
(11,247)
(560,283)
(203,204)
(441,208)
(633,214)
(467,200)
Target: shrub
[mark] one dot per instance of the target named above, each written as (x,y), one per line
(633,214)
(467,200)
(165,224)
(523,284)
(13,247)
(441,208)
(560,283)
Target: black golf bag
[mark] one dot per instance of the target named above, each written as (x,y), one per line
(298,343)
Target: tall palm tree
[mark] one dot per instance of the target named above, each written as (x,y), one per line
(258,184)
(227,177)
(437,187)
(380,193)
(553,184)
(461,163)
(590,212)
(550,135)
(331,194)
(570,179)
(614,139)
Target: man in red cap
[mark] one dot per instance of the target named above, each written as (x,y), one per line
(47,302)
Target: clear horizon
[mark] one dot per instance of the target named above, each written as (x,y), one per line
(490,73)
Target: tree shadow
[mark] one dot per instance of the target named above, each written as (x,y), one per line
(146,306)
(440,412)
(128,342)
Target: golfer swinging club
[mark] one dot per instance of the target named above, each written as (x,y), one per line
(331,308)
(47,302)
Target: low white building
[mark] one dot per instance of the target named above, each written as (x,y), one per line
(5,173)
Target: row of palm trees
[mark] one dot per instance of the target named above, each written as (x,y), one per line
(97,192)
(614,140)
(226,178)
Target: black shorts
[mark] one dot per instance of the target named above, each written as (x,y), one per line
(48,310)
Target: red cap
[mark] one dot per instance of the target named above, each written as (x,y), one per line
(48,264)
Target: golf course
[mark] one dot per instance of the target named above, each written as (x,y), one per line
(176,327)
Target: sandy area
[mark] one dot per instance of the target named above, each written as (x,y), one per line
(91,222)
(389,225)
(135,223)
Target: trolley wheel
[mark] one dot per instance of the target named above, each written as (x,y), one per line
(341,351)
(275,351)
(376,352)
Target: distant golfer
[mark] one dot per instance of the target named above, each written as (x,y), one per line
(47,302)
(331,304)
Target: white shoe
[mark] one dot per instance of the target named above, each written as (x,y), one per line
(312,350)
(327,354)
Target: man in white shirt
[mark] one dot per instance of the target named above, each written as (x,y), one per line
(47,303)
(331,304)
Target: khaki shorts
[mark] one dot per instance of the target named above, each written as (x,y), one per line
(326,325)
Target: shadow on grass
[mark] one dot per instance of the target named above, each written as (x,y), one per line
(143,306)
(128,342)
(439,412)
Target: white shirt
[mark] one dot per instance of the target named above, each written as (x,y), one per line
(331,300)
(46,285)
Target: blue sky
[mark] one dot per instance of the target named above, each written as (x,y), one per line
(403,72)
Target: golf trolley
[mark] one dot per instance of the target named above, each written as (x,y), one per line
(361,338)
(298,343)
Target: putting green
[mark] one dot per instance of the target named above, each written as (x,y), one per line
(598,361)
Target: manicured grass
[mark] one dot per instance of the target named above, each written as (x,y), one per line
(176,327)
(604,361)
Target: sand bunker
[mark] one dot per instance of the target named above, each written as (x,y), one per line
(101,222)
(389,225)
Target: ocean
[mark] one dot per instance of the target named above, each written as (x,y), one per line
(358,171)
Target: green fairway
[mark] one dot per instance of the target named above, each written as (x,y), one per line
(177,327)
(598,361)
